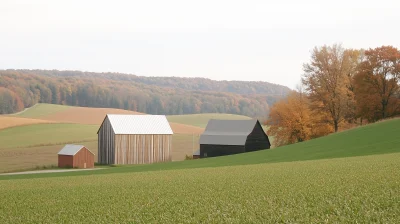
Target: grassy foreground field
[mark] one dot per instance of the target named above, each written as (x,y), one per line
(347,190)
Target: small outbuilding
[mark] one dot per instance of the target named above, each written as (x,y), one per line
(227,137)
(134,139)
(75,156)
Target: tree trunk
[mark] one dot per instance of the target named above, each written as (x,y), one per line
(336,124)
(384,107)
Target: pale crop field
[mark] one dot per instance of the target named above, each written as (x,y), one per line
(346,190)
(42,109)
(201,120)
(28,157)
(19,159)
(46,134)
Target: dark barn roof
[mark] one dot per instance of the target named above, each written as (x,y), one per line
(227,132)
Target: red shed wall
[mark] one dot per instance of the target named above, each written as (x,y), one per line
(64,160)
(82,157)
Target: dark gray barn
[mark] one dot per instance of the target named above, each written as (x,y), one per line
(227,137)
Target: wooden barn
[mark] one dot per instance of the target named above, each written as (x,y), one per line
(226,137)
(75,156)
(134,139)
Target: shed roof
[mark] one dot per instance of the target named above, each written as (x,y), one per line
(71,150)
(196,153)
(140,124)
(227,132)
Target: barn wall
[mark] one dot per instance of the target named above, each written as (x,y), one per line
(220,150)
(257,139)
(65,161)
(82,157)
(106,143)
(141,149)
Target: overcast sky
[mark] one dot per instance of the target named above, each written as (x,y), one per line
(222,40)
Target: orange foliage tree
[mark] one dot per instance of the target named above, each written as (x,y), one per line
(377,83)
(328,78)
(291,120)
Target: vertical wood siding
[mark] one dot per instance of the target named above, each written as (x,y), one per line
(82,157)
(65,161)
(106,143)
(141,149)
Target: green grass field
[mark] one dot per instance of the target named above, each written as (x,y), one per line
(347,190)
(201,120)
(348,177)
(46,134)
(42,109)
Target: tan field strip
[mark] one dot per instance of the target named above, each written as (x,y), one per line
(85,115)
(8,122)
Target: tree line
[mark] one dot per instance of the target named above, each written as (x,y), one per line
(341,88)
(20,89)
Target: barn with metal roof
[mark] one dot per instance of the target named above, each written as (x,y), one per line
(134,139)
(75,156)
(226,137)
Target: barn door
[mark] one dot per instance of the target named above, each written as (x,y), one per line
(84,165)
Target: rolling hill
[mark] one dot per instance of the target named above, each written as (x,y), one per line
(33,137)
(377,138)
(348,177)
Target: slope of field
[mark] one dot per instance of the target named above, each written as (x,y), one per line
(378,138)
(347,190)
(11,121)
(25,158)
(46,134)
(29,157)
(37,145)
(42,109)
(201,120)
(85,115)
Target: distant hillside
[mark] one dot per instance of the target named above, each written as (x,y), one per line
(153,95)
(199,84)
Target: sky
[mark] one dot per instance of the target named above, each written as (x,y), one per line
(221,40)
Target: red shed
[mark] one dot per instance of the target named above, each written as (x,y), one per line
(76,156)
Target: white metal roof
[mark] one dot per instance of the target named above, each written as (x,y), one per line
(70,150)
(129,124)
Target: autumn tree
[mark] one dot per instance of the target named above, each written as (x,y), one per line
(9,101)
(377,83)
(327,79)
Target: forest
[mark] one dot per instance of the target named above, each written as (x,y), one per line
(20,89)
(341,88)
